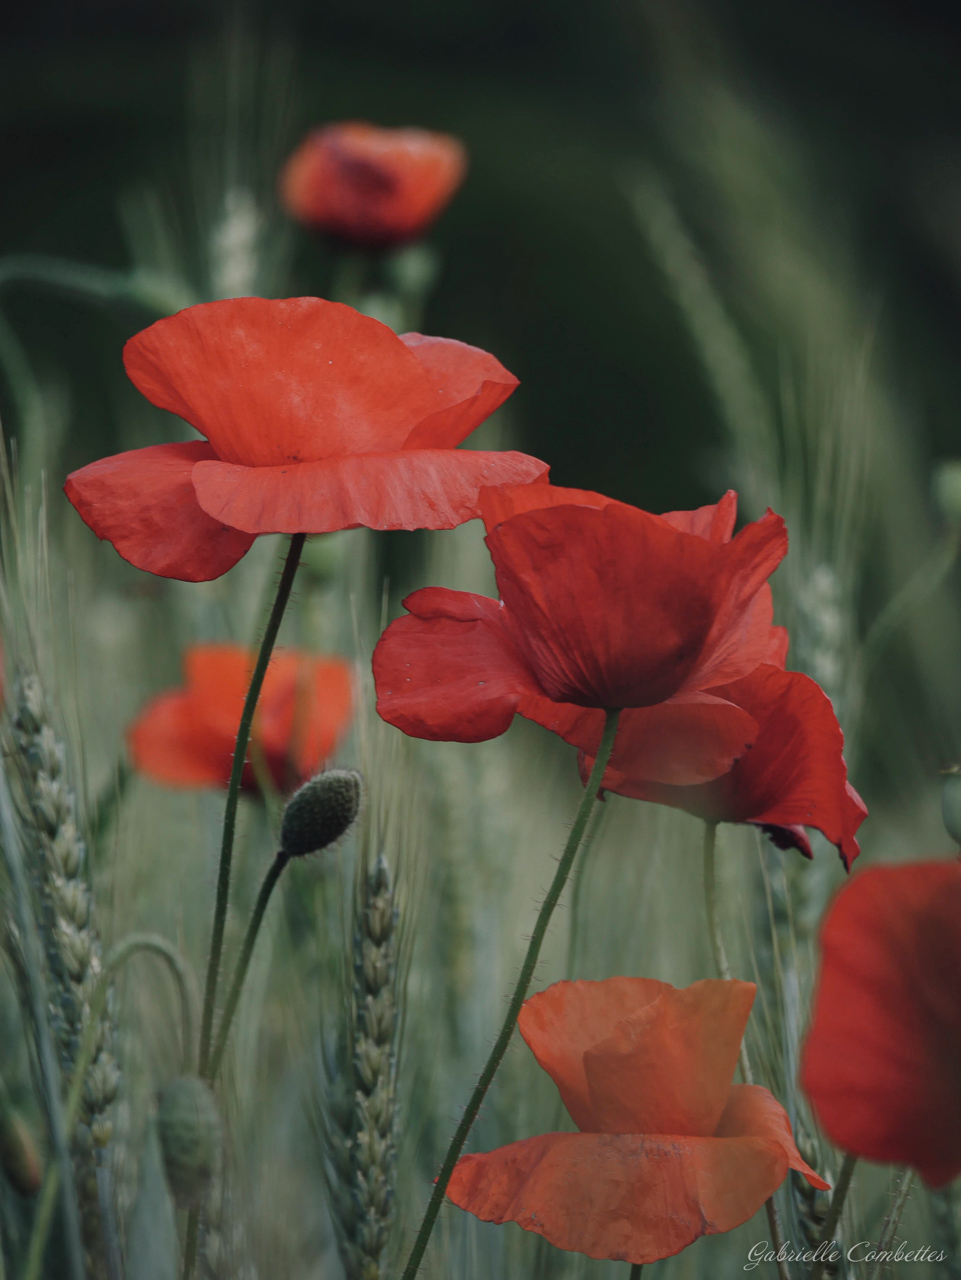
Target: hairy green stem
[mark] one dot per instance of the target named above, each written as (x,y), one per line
(834,1213)
(890,1227)
(517,999)
(230,1008)
(233,797)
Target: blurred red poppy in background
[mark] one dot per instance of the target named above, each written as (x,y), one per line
(369,186)
(794,776)
(186,737)
(316,418)
(668,1150)
(882,1061)
(603,607)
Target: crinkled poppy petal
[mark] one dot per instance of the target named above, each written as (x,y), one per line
(143,502)
(172,742)
(628,1197)
(691,738)
(448,671)
(882,1060)
(667,1068)
(275,381)
(714,522)
(561,1023)
(613,606)
(499,504)
(409,489)
(754,1112)
(303,714)
(469,384)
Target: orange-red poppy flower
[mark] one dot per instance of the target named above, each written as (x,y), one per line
(882,1061)
(369,186)
(794,776)
(668,1150)
(316,418)
(186,737)
(603,606)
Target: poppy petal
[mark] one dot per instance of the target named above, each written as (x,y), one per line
(275,381)
(627,1197)
(562,1022)
(448,671)
(469,384)
(714,522)
(754,1112)
(882,1059)
(143,502)
(408,489)
(303,712)
(171,742)
(499,504)
(684,1046)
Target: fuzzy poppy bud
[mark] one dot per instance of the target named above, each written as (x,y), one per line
(188,1126)
(320,812)
(951,802)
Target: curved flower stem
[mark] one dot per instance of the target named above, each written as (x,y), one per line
(517,999)
(88,1049)
(891,1222)
(724,971)
(233,796)
(253,928)
(834,1213)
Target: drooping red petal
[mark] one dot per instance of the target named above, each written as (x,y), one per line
(753,1112)
(171,742)
(275,381)
(469,384)
(143,502)
(714,522)
(562,1022)
(627,1197)
(499,504)
(668,1067)
(793,776)
(448,671)
(882,1060)
(409,489)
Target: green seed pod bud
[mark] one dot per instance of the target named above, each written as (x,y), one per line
(320,812)
(951,802)
(19,1157)
(188,1126)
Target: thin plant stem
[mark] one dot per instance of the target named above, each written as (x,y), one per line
(233,796)
(517,999)
(891,1223)
(88,1049)
(573,937)
(723,967)
(636,1270)
(834,1213)
(240,972)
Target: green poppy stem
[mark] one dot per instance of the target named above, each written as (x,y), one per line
(636,1270)
(834,1213)
(240,973)
(518,998)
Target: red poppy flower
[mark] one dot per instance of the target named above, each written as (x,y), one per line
(317,418)
(794,776)
(882,1061)
(186,737)
(668,1149)
(603,606)
(372,187)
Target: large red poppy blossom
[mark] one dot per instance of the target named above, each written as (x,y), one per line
(882,1061)
(794,776)
(186,737)
(668,1150)
(369,186)
(316,418)
(603,606)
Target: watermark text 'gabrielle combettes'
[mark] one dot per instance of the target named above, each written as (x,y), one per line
(831,1251)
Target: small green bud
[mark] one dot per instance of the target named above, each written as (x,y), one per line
(951,802)
(188,1126)
(320,812)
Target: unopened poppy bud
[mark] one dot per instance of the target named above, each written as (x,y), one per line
(951,802)
(188,1126)
(19,1157)
(320,812)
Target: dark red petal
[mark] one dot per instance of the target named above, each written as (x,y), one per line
(627,1197)
(498,505)
(304,709)
(469,384)
(882,1060)
(753,1112)
(448,670)
(171,742)
(410,489)
(144,503)
(667,1068)
(275,381)
(562,1022)
(714,522)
